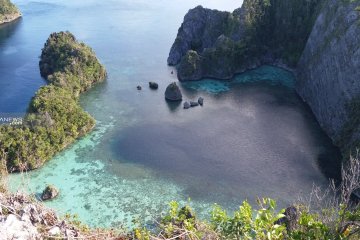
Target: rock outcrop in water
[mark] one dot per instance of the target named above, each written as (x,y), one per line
(50,192)
(318,38)
(8,11)
(173,92)
(153,85)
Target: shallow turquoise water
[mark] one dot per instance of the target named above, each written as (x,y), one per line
(253,137)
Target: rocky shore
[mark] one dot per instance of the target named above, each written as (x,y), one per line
(9,18)
(23,217)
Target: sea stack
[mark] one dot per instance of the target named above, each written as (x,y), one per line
(173,92)
(153,85)
(50,192)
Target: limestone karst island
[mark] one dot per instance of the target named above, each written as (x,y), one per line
(180,120)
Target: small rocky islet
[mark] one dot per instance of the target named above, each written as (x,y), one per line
(153,85)
(173,92)
(200,102)
(49,193)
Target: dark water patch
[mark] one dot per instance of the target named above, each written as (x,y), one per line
(258,139)
(8,29)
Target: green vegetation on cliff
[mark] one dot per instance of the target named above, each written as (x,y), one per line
(261,31)
(7,7)
(54,119)
(280,26)
(69,64)
(8,11)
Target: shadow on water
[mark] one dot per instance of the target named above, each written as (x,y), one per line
(8,29)
(248,134)
(329,158)
(173,105)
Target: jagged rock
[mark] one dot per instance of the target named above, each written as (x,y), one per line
(186,105)
(200,29)
(71,233)
(173,92)
(194,104)
(201,101)
(11,227)
(54,231)
(33,212)
(290,219)
(49,193)
(153,85)
(139,88)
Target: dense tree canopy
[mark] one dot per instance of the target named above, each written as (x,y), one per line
(7,7)
(55,118)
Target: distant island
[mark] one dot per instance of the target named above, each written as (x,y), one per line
(8,11)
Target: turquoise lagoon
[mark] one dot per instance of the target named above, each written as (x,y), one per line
(253,137)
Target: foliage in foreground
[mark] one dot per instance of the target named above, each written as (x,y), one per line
(265,222)
(329,214)
(54,118)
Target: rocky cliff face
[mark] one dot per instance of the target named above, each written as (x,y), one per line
(318,38)
(329,70)
(200,29)
(204,43)
(218,44)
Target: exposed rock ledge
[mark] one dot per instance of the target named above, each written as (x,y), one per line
(9,18)
(8,11)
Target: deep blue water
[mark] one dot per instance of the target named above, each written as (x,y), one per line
(253,137)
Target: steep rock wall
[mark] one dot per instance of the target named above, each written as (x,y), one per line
(329,71)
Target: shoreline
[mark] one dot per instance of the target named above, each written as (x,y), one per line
(278,64)
(10,18)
